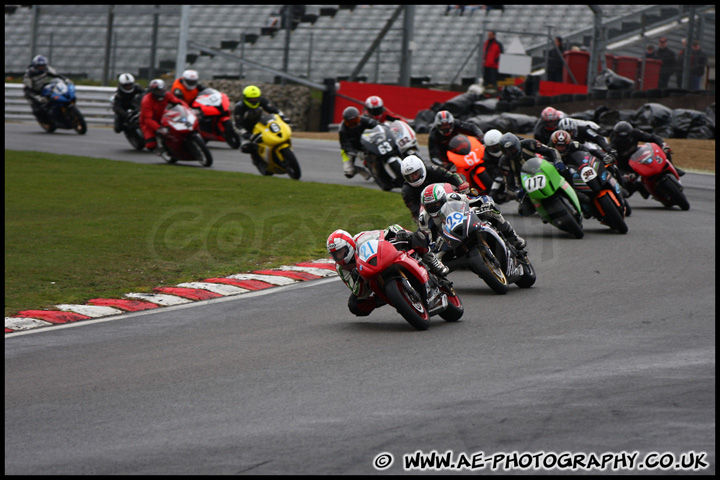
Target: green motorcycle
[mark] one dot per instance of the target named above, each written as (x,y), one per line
(553,197)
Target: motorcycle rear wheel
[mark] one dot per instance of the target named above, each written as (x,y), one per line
(613,219)
(77,120)
(408,303)
(488,268)
(200,151)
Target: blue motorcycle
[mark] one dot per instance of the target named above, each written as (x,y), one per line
(61,111)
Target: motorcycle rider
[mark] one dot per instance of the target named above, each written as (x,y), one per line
(417,176)
(247,113)
(152,107)
(127,98)
(584,132)
(444,128)
(342,246)
(36,76)
(187,87)
(350,131)
(547,124)
(430,221)
(492,155)
(375,108)
(515,153)
(624,139)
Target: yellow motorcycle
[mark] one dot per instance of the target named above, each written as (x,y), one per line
(272,136)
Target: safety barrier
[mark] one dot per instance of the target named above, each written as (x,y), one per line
(93,102)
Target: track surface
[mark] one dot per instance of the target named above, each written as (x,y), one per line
(612,350)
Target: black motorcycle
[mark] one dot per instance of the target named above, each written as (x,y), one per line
(381,156)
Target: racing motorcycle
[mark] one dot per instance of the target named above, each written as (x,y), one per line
(405,137)
(473,243)
(659,176)
(553,197)
(215,120)
(131,129)
(468,156)
(182,140)
(272,135)
(401,280)
(381,156)
(592,179)
(61,110)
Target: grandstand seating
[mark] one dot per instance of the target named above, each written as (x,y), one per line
(73,37)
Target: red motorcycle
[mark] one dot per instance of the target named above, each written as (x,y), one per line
(659,176)
(182,140)
(215,117)
(398,278)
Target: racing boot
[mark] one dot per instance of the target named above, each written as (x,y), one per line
(349,168)
(363,172)
(435,265)
(509,232)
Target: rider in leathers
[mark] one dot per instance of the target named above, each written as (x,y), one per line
(127,98)
(438,139)
(38,73)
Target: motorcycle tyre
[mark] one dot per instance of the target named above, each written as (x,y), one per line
(200,151)
(493,276)
(48,127)
(231,136)
(382,178)
(529,275)
(566,222)
(674,194)
(454,310)
(136,141)
(76,120)
(613,218)
(397,293)
(290,163)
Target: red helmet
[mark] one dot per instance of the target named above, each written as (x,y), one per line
(550,118)
(341,247)
(375,107)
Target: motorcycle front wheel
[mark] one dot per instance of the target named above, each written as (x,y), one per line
(200,151)
(408,303)
(488,268)
(455,308)
(562,215)
(289,161)
(231,136)
(613,219)
(134,137)
(77,120)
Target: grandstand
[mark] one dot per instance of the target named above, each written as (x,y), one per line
(327,41)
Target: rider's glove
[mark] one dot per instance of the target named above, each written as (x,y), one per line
(560,167)
(437,161)
(404,236)
(284,118)
(247,147)
(464,188)
(484,207)
(519,194)
(42,100)
(608,159)
(162,131)
(473,192)
(666,148)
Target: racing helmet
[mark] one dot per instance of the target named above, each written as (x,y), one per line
(126,82)
(351,117)
(459,144)
(561,140)
(413,170)
(341,247)
(622,134)
(190,79)
(550,118)
(433,198)
(445,122)
(569,125)
(510,145)
(492,142)
(251,96)
(375,107)
(157,88)
(39,63)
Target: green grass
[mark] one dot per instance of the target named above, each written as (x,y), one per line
(78,228)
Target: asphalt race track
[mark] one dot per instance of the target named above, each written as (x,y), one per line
(611,355)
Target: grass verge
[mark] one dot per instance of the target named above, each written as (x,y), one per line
(78,228)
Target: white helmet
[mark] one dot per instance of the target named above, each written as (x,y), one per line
(190,78)
(413,170)
(492,142)
(341,246)
(126,82)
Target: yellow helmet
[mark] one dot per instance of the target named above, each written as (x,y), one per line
(251,96)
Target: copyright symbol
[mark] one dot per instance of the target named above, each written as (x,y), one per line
(383,461)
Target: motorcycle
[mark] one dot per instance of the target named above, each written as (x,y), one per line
(659,176)
(272,135)
(401,280)
(405,137)
(468,156)
(183,141)
(592,179)
(553,197)
(471,242)
(131,129)
(381,156)
(215,119)
(62,111)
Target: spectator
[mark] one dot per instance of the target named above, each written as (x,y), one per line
(555,62)
(491,54)
(650,52)
(698,62)
(680,65)
(667,57)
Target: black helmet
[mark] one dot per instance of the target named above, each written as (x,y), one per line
(459,144)
(351,117)
(510,145)
(622,134)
